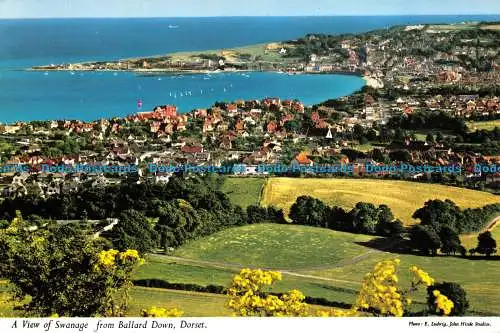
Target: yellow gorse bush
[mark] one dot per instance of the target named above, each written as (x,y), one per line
(443,303)
(421,277)
(161,312)
(379,291)
(131,255)
(248,299)
(107,258)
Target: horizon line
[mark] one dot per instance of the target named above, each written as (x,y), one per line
(239,16)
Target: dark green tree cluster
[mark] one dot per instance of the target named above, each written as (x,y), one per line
(429,120)
(486,244)
(441,223)
(364,218)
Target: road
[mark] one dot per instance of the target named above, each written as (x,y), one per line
(492,224)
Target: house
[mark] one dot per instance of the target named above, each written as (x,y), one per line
(232,108)
(239,126)
(222,126)
(271,127)
(302,159)
(226,143)
(192,149)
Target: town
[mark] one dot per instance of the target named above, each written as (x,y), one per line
(420,105)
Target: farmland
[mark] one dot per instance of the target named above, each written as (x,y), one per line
(404,198)
(243,191)
(470,240)
(483,125)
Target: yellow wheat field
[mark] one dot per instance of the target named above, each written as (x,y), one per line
(402,197)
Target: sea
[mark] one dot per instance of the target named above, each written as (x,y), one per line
(28,95)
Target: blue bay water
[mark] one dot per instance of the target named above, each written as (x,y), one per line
(35,95)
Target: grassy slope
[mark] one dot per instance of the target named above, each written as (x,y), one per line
(275,246)
(479,277)
(402,197)
(243,191)
(193,304)
(483,125)
(470,240)
(180,272)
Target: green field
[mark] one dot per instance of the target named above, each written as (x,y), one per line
(268,52)
(483,125)
(243,191)
(203,274)
(275,246)
(193,304)
(480,278)
(336,276)
(319,262)
(470,240)
(404,198)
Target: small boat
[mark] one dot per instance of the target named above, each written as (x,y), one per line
(72,73)
(115,74)
(172,26)
(46,73)
(159,79)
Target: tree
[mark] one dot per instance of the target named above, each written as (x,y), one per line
(178,222)
(390,228)
(4,224)
(309,211)
(452,291)
(292,126)
(450,240)
(256,214)
(430,138)
(133,231)
(425,239)
(338,219)
(486,244)
(56,269)
(378,156)
(439,213)
(364,218)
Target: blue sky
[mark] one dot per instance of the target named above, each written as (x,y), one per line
(177,8)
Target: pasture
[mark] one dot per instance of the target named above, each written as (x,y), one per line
(404,198)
